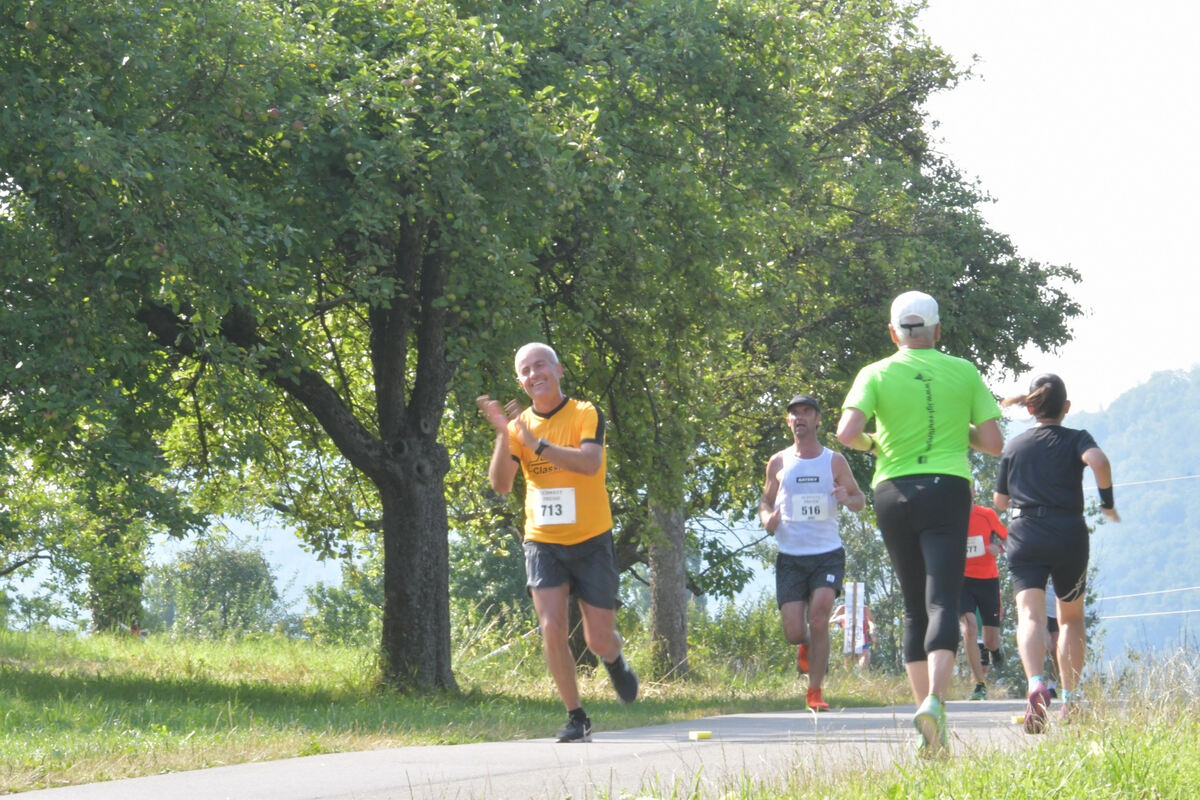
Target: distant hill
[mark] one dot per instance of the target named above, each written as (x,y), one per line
(1150,436)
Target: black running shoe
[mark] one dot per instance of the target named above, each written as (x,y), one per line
(577,729)
(624,679)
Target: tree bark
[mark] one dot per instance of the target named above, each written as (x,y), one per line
(416,569)
(668,592)
(405,462)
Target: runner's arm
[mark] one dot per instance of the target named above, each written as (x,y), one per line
(768,515)
(585,459)
(503,467)
(850,430)
(845,487)
(1094,457)
(986,437)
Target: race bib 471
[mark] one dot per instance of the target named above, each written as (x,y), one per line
(975,547)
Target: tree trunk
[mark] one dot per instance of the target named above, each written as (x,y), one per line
(668,593)
(416,569)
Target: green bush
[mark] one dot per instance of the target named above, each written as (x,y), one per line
(745,639)
(211,591)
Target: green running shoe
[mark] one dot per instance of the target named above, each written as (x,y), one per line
(930,722)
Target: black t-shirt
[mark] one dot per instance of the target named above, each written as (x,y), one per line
(1044,467)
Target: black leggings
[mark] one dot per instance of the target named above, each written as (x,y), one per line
(923,519)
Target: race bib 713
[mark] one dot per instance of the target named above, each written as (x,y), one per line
(554,506)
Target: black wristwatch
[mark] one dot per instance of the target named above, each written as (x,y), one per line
(542,445)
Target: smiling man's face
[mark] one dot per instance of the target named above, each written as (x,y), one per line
(539,374)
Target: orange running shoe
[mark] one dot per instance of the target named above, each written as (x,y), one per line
(802,658)
(815,701)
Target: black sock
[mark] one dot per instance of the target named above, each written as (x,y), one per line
(577,715)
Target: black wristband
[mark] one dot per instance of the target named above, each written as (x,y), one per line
(1106,497)
(542,445)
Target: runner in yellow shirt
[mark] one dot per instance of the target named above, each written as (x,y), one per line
(558,443)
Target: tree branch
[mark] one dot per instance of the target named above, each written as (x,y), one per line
(352,439)
(22,561)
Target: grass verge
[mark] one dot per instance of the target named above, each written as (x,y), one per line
(86,709)
(1137,737)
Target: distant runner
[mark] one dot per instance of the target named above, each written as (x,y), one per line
(804,485)
(862,643)
(1051,641)
(981,595)
(1041,479)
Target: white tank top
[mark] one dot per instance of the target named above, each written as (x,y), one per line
(809,515)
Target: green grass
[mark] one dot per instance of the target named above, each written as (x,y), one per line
(1141,741)
(84,709)
(1128,755)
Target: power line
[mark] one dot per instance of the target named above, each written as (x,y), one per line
(1156,480)
(1152,614)
(1145,594)
(1160,592)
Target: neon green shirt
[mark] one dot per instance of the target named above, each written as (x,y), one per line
(924,403)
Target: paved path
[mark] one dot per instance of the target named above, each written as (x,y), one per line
(660,760)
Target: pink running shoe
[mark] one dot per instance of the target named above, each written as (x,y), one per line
(1036,710)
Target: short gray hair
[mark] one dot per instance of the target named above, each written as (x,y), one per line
(919,333)
(530,347)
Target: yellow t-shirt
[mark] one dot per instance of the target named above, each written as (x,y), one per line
(563,507)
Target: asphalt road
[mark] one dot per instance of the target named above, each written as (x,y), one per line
(661,760)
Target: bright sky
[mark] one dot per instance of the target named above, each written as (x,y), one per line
(1083,123)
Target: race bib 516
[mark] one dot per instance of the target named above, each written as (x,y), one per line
(810,507)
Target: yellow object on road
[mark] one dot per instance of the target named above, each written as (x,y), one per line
(696,735)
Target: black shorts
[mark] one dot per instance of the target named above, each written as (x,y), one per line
(982,594)
(590,567)
(923,520)
(797,577)
(1054,546)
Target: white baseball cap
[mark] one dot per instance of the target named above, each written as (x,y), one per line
(914,304)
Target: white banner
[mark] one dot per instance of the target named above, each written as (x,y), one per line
(855,619)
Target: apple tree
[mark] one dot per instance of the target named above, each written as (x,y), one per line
(281,232)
